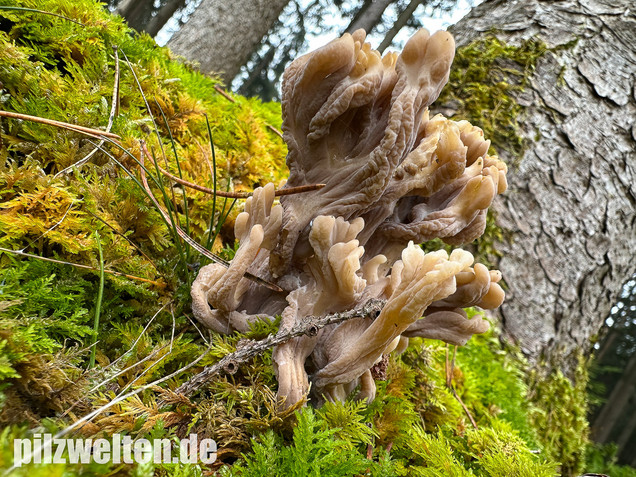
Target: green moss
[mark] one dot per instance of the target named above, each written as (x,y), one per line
(485,81)
(559,410)
(416,418)
(601,459)
(486,77)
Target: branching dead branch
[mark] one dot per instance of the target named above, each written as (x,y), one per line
(248,349)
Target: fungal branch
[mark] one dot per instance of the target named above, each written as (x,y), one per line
(393,178)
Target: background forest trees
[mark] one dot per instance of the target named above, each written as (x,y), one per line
(258,46)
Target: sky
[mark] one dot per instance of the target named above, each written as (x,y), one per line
(431,24)
(315,41)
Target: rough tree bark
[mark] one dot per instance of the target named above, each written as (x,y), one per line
(221,35)
(571,205)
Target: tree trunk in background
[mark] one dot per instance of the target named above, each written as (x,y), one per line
(369,15)
(402,19)
(221,35)
(164,14)
(615,407)
(136,12)
(571,204)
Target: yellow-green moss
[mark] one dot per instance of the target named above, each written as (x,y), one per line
(559,410)
(486,78)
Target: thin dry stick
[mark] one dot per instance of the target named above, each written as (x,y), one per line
(47,443)
(78,265)
(275,131)
(143,373)
(202,250)
(449,383)
(308,326)
(96,133)
(239,195)
(223,93)
(42,12)
(106,381)
(123,371)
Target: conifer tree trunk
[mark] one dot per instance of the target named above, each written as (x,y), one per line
(571,204)
(221,35)
(369,15)
(615,407)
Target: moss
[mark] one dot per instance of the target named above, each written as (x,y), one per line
(486,78)
(560,410)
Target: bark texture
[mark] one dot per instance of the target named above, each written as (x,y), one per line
(571,204)
(221,35)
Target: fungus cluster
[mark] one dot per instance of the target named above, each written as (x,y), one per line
(395,177)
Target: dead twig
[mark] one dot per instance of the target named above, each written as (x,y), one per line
(79,265)
(449,368)
(239,195)
(199,248)
(96,133)
(310,326)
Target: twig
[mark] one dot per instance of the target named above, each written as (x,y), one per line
(239,195)
(449,368)
(51,122)
(98,304)
(202,250)
(308,326)
(223,93)
(106,381)
(47,443)
(79,265)
(130,384)
(275,131)
(33,10)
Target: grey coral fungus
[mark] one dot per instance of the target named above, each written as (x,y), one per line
(359,123)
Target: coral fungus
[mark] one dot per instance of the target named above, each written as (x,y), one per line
(359,123)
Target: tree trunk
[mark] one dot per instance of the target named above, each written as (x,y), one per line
(369,15)
(402,19)
(164,14)
(221,35)
(628,429)
(615,407)
(571,204)
(136,12)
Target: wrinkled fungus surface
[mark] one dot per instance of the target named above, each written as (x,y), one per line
(395,177)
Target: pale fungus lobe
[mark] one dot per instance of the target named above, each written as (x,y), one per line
(394,178)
